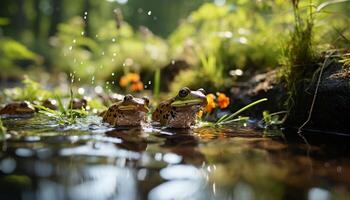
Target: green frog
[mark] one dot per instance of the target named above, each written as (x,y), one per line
(130,111)
(18,109)
(181,110)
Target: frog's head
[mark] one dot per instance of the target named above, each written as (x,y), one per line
(187,97)
(131,103)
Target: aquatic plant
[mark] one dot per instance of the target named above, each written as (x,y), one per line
(63,116)
(234,117)
(227,119)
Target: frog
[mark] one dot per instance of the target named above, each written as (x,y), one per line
(180,111)
(131,111)
(17,109)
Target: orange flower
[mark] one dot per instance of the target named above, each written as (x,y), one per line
(129,78)
(223,100)
(133,77)
(123,82)
(138,86)
(211,103)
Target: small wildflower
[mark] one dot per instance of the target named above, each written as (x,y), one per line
(133,77)
(138,86)
(131,81)
(223,101)
(123,82)
(200,114)
(211,103)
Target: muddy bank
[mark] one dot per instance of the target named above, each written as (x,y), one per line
(331,108)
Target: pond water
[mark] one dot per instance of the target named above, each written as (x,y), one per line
(41,160)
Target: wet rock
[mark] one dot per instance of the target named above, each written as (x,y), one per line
(17,109)
(331,108)
(50,103)
(78,103)
(266,85)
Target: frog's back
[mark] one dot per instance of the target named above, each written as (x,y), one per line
(162,112)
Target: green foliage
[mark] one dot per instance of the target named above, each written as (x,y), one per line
(111,50)
(63,116)
(30,91)
(238,37)
(216,39)
(13,55)
(2,130)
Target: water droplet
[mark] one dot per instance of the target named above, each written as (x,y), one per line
(113,39)
(112,82)
(82,33)
(113,74)
(78,79)
(98,89)
(173,62)
(112,59)
(74,41)
(101,66)
(93,78)
(114,54)
(85,13)
(103,53)
(81,62)
(70,48)
(84,17)
(96,36)
(81,91)
(107,82)
(149,13)
(149,82)
(124,64)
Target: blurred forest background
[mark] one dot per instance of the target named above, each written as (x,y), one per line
(198,43)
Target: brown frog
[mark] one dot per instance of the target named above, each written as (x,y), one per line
(130,111)
(181,110)
(18,109)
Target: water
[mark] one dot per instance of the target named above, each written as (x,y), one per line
(41,160)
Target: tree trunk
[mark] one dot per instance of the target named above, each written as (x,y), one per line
(37,20)
(56,16)
(86,10)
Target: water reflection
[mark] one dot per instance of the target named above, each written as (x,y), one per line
(155,163)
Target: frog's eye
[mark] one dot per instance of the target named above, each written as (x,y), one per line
(202,91)
(128,97)
(146,100)
(184,92)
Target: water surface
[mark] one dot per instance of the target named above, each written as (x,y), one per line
(41,160)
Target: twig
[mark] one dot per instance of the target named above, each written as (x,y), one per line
(315,94)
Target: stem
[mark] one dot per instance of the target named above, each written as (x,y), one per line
(156,87)
(241,110)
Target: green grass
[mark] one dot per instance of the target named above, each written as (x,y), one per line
(63,116)
(234,117)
